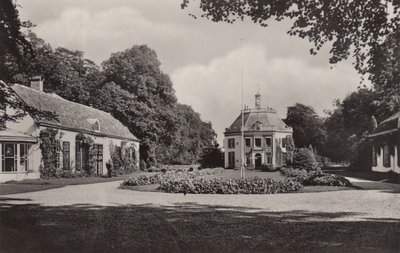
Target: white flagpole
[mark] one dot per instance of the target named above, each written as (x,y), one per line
(242,169)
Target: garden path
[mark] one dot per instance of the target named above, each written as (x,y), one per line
(359,204)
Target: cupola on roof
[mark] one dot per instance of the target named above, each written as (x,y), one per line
(258,119)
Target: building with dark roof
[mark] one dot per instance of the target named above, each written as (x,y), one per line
(20,143)
(386,145)
(264,132)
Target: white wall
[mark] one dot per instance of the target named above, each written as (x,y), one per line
(105,141)
(253,136)
(393,162)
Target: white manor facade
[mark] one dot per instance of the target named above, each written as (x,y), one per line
(263,132)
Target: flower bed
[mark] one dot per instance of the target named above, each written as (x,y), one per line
(173,175)
(315,177)
(254,185)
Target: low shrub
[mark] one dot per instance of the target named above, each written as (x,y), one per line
(143,180)
(316,177)
(328,180)
(254,185)
(304,159)
(172,174)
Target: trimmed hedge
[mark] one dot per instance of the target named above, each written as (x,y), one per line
(158,178)
(316,177)
(254,185)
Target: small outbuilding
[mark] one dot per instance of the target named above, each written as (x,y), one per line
(86,136)
(386,145)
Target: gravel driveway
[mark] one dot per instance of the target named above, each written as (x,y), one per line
(362,204)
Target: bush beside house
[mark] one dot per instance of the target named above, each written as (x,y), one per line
(304,159)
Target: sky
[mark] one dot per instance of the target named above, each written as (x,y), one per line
(208,62)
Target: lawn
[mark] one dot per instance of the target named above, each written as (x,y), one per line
(31,185)
(187,228)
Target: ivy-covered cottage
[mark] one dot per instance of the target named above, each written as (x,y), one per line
(79,139)
(386,145)
(267,139)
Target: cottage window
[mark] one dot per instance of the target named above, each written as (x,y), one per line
(283,142)
(231,159)
(10,152)
(386,156)
(248,142)
(258,142)
(23,156)
(231,143)
(268,142)
(66,155)
(374,157)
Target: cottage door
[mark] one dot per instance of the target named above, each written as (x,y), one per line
(98,156)
(257,161)
(85,157)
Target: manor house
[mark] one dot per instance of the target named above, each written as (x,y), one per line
(264,135)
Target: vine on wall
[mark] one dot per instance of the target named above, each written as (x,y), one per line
(124,158)
(50,146)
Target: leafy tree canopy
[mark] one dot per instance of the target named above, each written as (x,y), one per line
(308,128)
(13,44)
(350,27)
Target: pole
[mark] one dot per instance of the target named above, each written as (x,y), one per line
(242,168)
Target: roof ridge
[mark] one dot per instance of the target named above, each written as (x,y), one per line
(72,115)
(59,97)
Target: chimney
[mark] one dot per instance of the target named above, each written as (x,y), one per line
(37,83)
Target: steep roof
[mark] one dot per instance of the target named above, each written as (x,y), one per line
(388,125)
(72,115)
(259,119)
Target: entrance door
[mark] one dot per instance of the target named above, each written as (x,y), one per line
(257,161)
(85,157)
(98,157)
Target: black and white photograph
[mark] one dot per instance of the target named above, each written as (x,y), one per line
(199,126)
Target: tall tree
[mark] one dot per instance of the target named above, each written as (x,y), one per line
(13,44)
(308,128)
(137,70)
(349,125)
(14,48)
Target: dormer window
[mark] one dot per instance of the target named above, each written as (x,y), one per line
(257,125)
(95,124)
